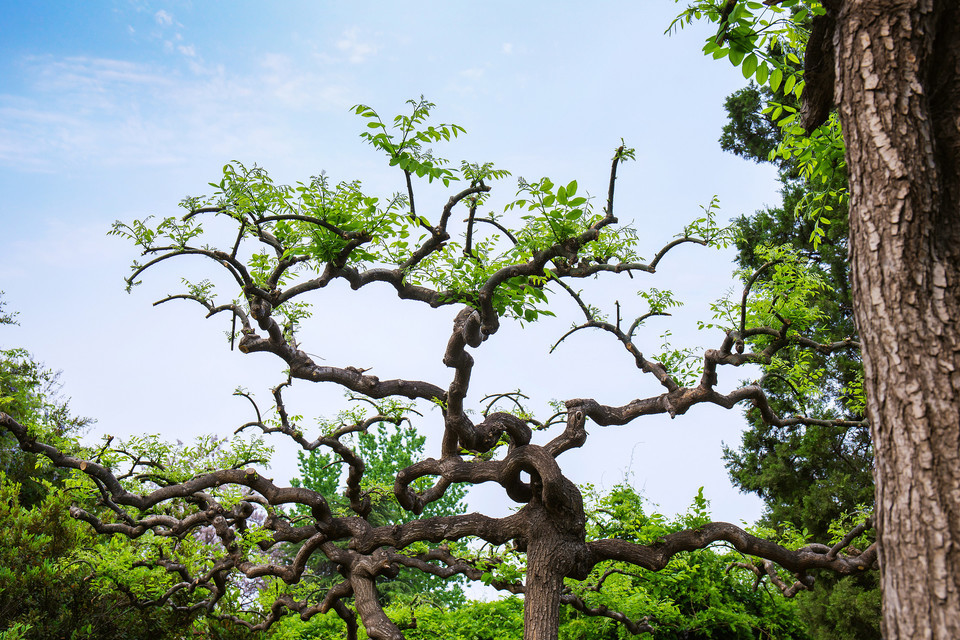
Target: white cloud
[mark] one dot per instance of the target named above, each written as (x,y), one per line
(355,50)
(507,48)
(94,111)
(287,82)
(163,18)
(71,72)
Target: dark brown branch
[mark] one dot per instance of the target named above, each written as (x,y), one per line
(636,627)
(656,556)
(585,270)
(499,226)
(235,267)
(439,235)
(468,244)
(195,212)
(617,159)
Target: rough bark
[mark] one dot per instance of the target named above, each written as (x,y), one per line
(897,71)
(555,544)
(544,584)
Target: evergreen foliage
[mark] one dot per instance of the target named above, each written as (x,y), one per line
(810,475)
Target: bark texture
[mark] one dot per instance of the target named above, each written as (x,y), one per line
(897,70)
(555,547)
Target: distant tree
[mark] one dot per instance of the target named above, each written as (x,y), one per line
(286,244)
(55,576)
(384,453)
(808,475)
(30,394)
(56,583)
(812,475)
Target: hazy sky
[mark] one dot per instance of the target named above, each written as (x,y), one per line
(118,109)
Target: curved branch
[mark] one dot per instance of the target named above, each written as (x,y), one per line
(234,266)
(583,271)
(499,226)
(656,556)
(636,627)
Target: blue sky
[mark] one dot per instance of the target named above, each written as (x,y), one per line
(118,109)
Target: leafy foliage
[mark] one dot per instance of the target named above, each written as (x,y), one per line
(30,393)
(696,596)
(809,475)
(56,572)
(767,42)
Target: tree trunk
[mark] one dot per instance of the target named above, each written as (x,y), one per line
(897,66)
(544,581)
(541,604)
(555,549)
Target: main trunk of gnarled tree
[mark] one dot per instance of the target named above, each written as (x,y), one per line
(898,65)
(555,549)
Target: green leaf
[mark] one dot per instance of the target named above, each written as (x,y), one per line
(763,72)
(561,195)
(788,85)
(776,77)
(749,65)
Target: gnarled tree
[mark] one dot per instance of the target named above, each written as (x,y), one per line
(287,245)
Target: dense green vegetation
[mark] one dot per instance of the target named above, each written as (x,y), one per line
(809,476)
(55,580)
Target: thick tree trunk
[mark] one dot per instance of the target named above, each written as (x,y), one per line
(544,581)
(898,65)
(556,549)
